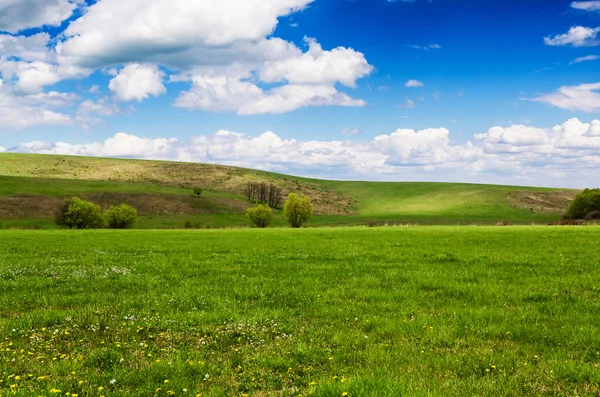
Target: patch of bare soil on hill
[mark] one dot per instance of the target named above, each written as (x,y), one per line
(31,206)
(169,204)
(555,202)
(28,206)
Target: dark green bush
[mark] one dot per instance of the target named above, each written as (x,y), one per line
(584,203)
(81,214)
(122,217)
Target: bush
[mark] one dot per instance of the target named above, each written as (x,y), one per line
(297,210)
(260,216)
(121,217)
(197,191)
(593,216)
(584,203)
(191,225)
(82,214)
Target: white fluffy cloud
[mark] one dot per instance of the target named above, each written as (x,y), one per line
(223,49)
(583,97)
(586,5)
(17,112)
(316,66)
(530,154)
(577,36)
(232,93)
(137,82)
(27,48)
(116,31)
(16,15)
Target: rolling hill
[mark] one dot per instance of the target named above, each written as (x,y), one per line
(32,187)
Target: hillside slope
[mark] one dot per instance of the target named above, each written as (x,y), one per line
(32,186)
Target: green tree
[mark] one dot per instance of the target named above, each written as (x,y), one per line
(121,217)
(197,191)
(584,203)
(297,210)
(260,216)
(82,214)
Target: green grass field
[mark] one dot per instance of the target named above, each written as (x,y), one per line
(420,311)
(32,187)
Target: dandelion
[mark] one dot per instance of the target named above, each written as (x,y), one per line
(113,381)
(100,388)
(166,381)
(344,394)
(55,391)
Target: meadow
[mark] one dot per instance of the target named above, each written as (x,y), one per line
(414,311)
(32,187)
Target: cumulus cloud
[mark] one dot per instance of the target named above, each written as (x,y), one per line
(316,66)
(501,154)
(577,36)
(116,32)
(583,97)
(414,83)
(586,5)
(26,48)
(223,93)
(225,50)
(18,111)
(16,15)
(137,82)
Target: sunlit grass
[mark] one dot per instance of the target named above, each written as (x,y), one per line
(320,312)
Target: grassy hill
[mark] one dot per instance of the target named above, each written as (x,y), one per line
(32,186)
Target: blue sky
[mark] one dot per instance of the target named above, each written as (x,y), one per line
(451,90)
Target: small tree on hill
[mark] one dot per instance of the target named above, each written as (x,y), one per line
(121,217)
(260,216)
(197,191)
(297,210)
(584,203)
(83,214)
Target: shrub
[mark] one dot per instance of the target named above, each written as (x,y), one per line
(82,214)
(197,191)
(593,216)
(297,210)
(584,203)
(192,225)
(260,216)
(121,217)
